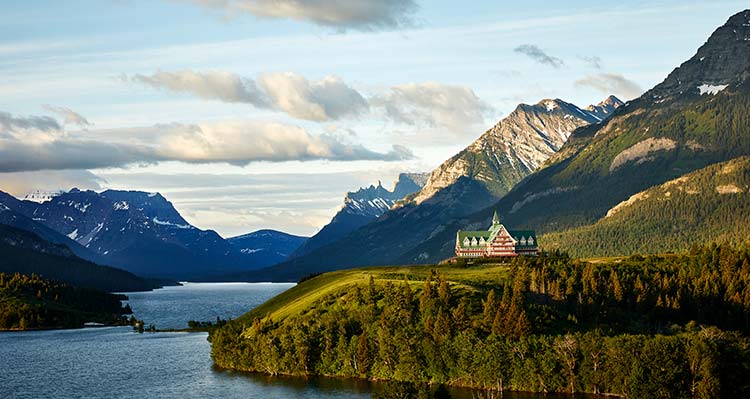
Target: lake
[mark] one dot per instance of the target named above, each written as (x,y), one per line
(115,362)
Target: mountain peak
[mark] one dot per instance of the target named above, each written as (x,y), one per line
(605,108)
(723,61)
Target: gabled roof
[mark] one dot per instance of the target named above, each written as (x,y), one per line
(518,234)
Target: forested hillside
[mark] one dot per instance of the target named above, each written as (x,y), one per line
(26,253)
(670,326)
(712,204)
(30,302)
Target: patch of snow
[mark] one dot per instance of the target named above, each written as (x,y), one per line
(550,105)
(151,195)
(3,208)
(73,235)
(121,206)
(251,250)
(40,196)
(164,223)
(711,89)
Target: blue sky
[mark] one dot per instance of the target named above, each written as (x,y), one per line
(249,115)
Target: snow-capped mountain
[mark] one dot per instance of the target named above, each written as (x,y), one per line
(266,247)
(515,146)
(604,109)
(136,231)
(361,207)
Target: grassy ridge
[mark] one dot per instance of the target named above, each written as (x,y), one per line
(295,300)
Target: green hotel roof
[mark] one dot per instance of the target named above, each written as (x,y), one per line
(516,234)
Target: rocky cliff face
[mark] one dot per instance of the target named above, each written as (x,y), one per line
(362,207)
(516,146)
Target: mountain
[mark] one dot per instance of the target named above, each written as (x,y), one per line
(471,180)
(515,147)
(266,247)
(699,115)
(362,207)
(136,231)
(12,218)
(604,109)
(709,205)
(27,253)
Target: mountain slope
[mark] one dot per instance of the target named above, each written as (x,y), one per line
(266,247)
(26,253)
(516,146)
(12,218)
(471,180)
(362,207)
(698,116)
(708,205)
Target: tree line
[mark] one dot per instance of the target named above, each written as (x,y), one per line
(31,302)
(659,326)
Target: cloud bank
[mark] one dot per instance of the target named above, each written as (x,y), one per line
(611,83)
(363,15)
(432,104)
(539,56)
(318,100)
(26,147)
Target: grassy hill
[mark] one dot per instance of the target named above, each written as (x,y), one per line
(303,296)
(672,326)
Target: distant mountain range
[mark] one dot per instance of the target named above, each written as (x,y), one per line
(141,233)
(362,207)
(267,247)
(471,180)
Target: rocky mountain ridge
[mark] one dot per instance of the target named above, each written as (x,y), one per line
(362,207)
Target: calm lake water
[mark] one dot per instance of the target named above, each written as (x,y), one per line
(115,362)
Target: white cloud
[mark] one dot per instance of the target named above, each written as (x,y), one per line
(434,104)
(338,14)
(611,83)
(69,116)
(538,55)
(26,147)
(321,100)
(318,100)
